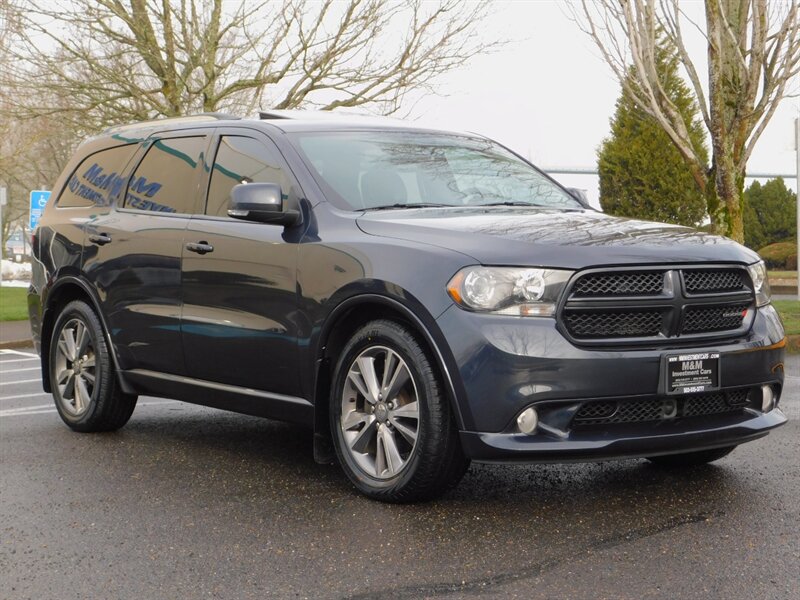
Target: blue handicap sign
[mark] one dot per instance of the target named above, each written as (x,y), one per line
(39,200)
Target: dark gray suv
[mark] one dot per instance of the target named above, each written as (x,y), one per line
(419,298)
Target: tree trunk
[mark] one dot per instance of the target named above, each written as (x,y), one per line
(712,200)
(727,23)
(729,190)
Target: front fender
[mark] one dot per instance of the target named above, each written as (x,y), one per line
(395,300)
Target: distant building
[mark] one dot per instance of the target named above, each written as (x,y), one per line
(15,244)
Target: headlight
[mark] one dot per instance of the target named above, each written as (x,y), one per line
(508,291)
(758,273)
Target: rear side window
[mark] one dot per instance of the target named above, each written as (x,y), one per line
(242,160)
(166,179)
(97,179)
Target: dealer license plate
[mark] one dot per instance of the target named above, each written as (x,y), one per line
(692,373)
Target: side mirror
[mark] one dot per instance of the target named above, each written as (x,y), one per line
(579,195)
(262,202)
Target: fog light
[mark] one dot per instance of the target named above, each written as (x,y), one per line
(767,398)
(527,420)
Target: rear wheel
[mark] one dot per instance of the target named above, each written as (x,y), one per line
(82,377)
(394,432)
(690,459)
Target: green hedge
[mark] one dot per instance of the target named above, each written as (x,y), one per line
(782,255)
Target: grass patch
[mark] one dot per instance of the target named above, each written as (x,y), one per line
(790,315)
(13,304)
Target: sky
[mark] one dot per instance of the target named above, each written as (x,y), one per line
(549,96)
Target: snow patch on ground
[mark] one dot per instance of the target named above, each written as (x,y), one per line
(14,273)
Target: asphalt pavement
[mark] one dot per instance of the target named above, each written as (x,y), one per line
(191,502)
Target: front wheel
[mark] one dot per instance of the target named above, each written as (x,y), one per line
(395,435)
(691,459)
(82,377)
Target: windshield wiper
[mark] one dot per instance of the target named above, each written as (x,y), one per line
(529,205)
(400,205)
(510,203)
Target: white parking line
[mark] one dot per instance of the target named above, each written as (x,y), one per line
(19,396)
(32,412)
(20,370)
(17,352)
(16,360)
(20,381)
(24,408)
(49,408)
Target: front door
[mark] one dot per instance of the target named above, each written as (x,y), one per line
(239,278)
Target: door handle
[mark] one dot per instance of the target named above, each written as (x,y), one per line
(101,239)
(199,247)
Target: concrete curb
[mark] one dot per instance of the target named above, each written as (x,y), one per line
(15,344)
(15,334)
(783,289)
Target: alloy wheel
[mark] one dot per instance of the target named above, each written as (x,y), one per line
(380,412)
(75,368)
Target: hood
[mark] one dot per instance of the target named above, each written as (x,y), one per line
(552,238)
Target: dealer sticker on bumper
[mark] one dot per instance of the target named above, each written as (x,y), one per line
(692,373)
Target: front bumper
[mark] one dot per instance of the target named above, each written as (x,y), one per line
(631,441)
(506,364)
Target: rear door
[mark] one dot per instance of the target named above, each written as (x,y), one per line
(134,251)
(83,189)
(240,298)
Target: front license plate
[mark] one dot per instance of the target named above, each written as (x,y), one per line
(692,373)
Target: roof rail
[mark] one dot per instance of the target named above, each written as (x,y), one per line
(208,116)
(274,114)
(315,115)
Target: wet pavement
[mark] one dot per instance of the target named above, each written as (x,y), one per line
(190,502)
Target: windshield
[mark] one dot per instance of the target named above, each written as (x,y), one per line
(387,169)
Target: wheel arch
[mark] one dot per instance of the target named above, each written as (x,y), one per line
(345,319)
(66,290)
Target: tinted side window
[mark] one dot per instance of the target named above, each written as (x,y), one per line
(166,179)
(97,178)
(242,160)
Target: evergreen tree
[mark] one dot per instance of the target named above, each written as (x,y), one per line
(769,214)
(642,173)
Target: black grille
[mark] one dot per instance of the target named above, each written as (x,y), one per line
(629,411)
(608,412)
(713,281)
(659,305)
(626,283)
(634,323)
(596,410)
(713,318)
(709,404)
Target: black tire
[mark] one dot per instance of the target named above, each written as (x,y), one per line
(108,408)
(690,459)
(436,462)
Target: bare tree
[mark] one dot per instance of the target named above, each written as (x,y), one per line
(753,60)
(8,152)
(32,152)
(97,62)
